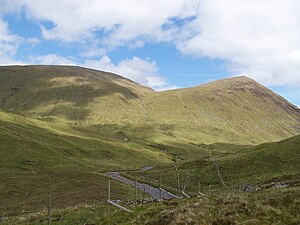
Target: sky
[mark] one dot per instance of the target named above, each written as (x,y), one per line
(162,44)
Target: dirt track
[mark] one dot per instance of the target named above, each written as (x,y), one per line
(153,191)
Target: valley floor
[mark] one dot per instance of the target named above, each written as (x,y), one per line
(38,159)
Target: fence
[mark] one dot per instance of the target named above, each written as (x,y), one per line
(43,208)
(46,209)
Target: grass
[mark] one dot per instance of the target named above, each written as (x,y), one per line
(62,161)
(36,161)
(236,110)
(32,147)
(62,128)
(257,165)
(266,207)
(272,206)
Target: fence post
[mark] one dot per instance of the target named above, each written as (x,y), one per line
(135,190)
(109,195)
(143,196)
(199,187)
(160,186)
(49,210)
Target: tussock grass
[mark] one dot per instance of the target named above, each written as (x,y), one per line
(265,207)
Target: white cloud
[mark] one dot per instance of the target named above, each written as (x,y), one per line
(165,88)
(9,44)
(257,38)
(31,42)
(143,71)
(8,6)
(93,52)
(121,20)
(50,59)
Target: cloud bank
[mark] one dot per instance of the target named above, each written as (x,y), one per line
(9,43)
(143,71)
(256,38)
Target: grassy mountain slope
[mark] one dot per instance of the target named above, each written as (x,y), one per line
(22,140)
(236,110)
(73,94)
(263,166)
(37,158)
(62,127)
(259,165)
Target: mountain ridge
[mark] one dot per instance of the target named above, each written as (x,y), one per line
(62,128)
(233,110)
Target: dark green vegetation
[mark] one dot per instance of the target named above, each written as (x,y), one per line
(62,128)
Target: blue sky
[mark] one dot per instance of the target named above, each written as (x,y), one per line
(157,43)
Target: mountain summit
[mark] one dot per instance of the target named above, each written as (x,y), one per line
(234,110)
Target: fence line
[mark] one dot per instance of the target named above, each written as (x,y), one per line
(56,202)
(42,201)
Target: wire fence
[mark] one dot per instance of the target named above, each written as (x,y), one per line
(47,207)
(43,206)
(92,196)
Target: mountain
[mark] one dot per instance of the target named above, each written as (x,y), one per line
(235,110)
(72,94)
(38,158)
(63,127)
(29,144)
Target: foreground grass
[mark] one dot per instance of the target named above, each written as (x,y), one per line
(264,207)
(270,206)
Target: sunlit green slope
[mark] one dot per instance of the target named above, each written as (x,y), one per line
(32,145)
(236,110)
(257,165)
(39,158)
(71,94)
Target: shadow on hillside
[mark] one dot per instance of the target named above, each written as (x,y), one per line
(30,89)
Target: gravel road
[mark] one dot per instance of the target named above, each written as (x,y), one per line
(153,191)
